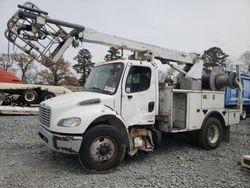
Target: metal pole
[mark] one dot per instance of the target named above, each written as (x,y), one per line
(23,14)
(240,90)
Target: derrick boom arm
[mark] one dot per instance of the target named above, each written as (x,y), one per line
(46,39)
(93,36)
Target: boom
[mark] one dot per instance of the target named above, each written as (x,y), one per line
(93,36)
(46,39)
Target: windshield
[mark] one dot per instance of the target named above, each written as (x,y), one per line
(104,78)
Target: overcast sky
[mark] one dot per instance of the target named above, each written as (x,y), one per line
(187,25)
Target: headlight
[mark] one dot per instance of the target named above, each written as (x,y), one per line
(69,122)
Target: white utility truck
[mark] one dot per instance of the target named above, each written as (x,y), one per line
(123,108)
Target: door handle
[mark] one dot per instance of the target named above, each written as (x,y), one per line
(130,96)
(151,106)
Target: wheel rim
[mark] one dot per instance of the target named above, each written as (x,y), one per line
(102,149)
(213,134)
(29,97)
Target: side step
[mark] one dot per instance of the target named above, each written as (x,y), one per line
(245,161)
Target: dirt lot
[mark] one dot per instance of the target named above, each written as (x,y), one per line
(26,162)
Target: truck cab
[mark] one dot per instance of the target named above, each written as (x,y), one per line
(117,95)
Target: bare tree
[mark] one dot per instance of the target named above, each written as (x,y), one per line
(230,65)
(56,73)
(245,58)
(25,64)
(60,70)
(71,81)
(31,75)
(6,62)
(45,77)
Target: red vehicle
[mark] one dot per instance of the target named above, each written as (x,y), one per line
(6,77)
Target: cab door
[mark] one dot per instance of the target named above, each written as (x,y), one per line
(139,94)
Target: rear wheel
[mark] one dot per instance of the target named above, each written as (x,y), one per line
(210,136)
(102,148)
(28,97)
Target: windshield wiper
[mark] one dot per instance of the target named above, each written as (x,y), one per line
(96,88)
(99,90)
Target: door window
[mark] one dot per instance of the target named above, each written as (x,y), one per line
(138,79)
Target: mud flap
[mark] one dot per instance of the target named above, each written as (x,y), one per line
(156,137)
(226,134)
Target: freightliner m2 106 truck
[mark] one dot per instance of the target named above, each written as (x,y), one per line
(124,108)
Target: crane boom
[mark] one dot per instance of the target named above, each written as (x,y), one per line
(93,36)
(46,39)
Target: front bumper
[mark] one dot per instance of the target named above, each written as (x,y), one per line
(61,143)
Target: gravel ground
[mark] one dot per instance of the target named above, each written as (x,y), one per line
(26,162)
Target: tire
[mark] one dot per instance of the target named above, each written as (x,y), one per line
(243,116)
(29,97)
(210,136)
(102,148)
(46,95)
(2,98)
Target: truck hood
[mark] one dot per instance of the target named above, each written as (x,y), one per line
(85,98)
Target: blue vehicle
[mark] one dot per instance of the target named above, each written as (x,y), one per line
(231,96)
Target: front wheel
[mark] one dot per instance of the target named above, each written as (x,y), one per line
(210,136)
(102,148)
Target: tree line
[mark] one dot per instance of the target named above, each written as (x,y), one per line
(61,74)
(58,74)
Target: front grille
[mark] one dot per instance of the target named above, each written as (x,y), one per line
(44,116)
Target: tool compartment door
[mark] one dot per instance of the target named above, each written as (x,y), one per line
(195,113)
(233,116)
(212,100)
